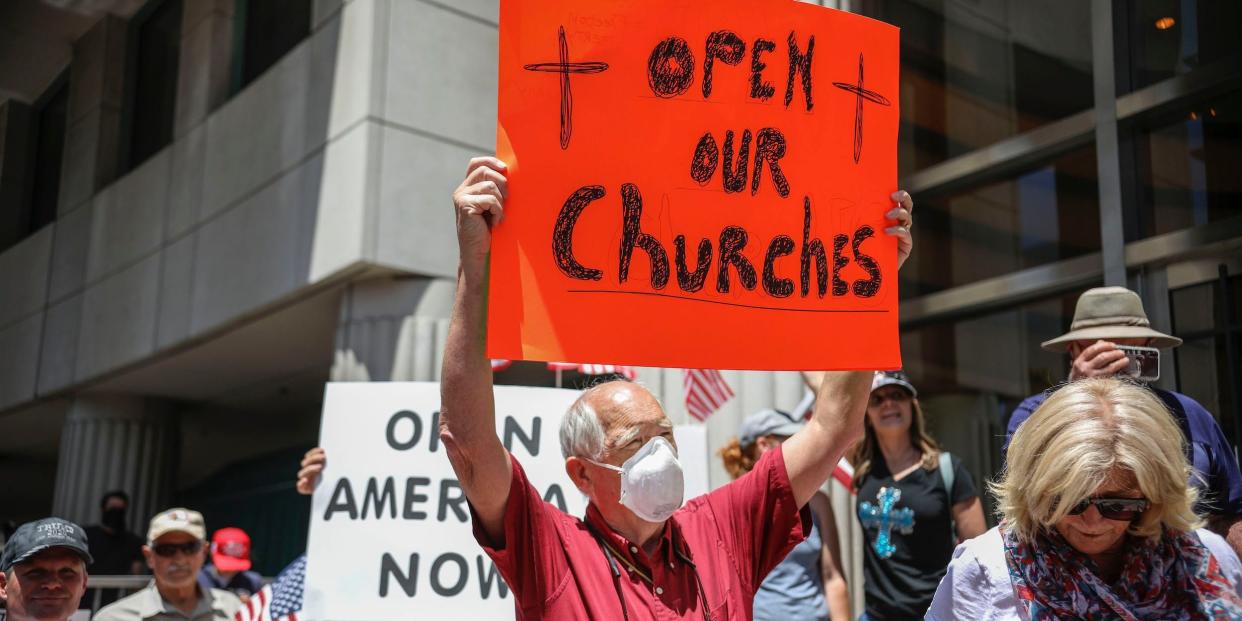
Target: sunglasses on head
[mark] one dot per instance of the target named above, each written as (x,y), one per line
(171,549)
(1120,509)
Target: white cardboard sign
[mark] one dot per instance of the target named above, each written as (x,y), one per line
(390,534)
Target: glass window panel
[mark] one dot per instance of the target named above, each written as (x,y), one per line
(49,150)
(271,29)
(1172,37)
(974,73)
(1194,309)
(157,52)
(1188,167)
(1206,369)
(1040,216)
(1199,366)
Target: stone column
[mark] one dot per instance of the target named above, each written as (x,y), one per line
(115,442)
(393,329)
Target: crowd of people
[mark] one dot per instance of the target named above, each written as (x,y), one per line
(1118,500)
(45,565)
(1101,502)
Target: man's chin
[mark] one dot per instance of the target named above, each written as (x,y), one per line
(50,610)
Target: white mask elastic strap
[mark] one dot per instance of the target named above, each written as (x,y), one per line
(608,466)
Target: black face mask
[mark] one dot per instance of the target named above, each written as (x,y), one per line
(115,519)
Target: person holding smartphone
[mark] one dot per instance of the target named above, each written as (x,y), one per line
(1111,337)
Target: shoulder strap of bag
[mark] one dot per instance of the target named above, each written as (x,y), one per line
(946,475)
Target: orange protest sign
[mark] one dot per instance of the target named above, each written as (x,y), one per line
(696,184)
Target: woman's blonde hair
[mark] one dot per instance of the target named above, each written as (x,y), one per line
(1069,447)
(738,460)
(868,446)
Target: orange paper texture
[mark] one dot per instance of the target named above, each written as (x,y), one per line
(591,117)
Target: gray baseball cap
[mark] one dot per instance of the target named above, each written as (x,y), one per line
(892,378)
(32,538)
(765,423)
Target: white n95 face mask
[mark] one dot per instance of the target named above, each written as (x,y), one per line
(652,484)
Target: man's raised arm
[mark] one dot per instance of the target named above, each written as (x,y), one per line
(467,407)
(812,453)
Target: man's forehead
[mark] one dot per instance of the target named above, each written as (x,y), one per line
(176,536)
(52,557)
(624,404)
(1121,340)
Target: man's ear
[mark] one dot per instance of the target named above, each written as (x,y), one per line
(578,473)
(4,586)
(148,554)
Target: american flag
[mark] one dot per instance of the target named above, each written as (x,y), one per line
(594,369)
(706,392)
(279,601)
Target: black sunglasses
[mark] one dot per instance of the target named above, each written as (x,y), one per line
(897,395)
(1120,509)
(171,549)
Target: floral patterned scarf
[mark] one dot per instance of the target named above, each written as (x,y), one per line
(1170,577)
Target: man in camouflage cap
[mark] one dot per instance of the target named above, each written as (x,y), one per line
(176,550)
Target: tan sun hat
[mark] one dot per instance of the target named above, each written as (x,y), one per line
(1110,313)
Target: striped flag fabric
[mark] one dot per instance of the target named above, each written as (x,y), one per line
(706,391)
(595,369)
(279,601)
(844,474)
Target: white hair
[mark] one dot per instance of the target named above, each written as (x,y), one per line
(581,433)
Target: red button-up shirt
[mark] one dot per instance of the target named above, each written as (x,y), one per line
(732,538)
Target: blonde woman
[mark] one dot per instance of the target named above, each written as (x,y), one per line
(808,584)
(1097,521)
(915,503)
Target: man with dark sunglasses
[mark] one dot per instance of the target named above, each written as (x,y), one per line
(175,551)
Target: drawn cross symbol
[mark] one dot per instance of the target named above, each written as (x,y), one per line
(860,94)
(564,67)
(883,516)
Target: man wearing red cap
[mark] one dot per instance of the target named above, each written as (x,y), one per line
(230,565)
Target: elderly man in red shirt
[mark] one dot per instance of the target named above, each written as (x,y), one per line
(638,554)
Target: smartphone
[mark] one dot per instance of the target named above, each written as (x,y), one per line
(1144,363)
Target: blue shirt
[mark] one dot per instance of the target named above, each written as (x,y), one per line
(242,583)
(795,590)
(1218,479)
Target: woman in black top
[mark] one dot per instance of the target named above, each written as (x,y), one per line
(913,511)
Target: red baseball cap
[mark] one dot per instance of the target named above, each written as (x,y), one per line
(230,549)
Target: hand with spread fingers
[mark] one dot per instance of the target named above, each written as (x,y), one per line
(903,214)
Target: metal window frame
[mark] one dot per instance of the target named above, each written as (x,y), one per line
(1117,259)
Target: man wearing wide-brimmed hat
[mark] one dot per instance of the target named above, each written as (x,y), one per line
(1107,317)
